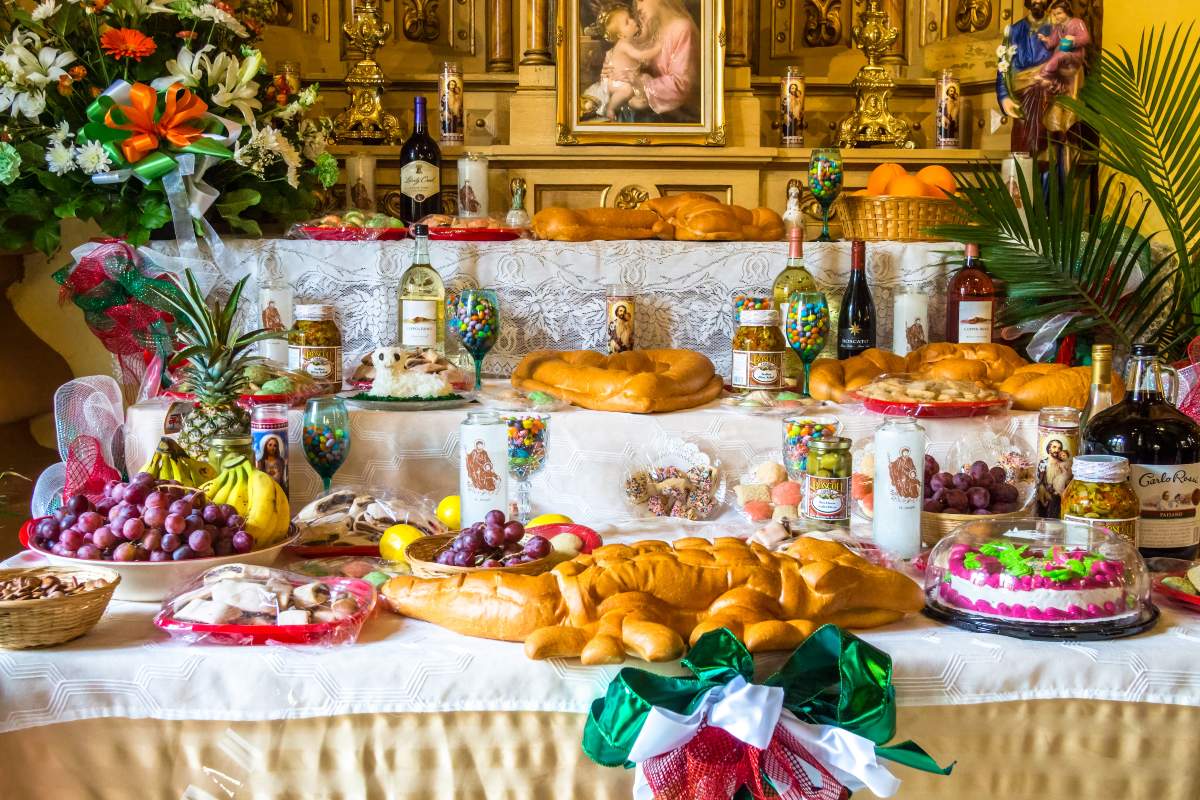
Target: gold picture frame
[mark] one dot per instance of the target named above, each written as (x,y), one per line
(614,83)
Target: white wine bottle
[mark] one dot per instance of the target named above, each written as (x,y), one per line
(422,299)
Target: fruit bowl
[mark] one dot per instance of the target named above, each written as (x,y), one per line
(422,552)
(152,581)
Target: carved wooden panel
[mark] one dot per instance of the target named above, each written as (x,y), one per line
(799,25)
(822,23)
(933,13)
(973,16)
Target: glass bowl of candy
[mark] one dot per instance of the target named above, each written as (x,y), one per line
(798,431)
(1037,578)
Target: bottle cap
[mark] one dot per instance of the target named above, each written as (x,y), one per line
(1100,469)
(759,317)
(1102,351)
(420,229)
(1144,349)
(972,250)
(313,312)
(858,254)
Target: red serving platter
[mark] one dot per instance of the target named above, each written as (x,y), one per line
(1175,594)
(931,410)
(474,234)
(321,234)
(316,633)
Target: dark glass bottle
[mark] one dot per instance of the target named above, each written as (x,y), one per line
(856,319)
(420,170)
(971,302)
(1163,448)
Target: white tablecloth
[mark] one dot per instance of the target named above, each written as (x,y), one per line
(127,668)
(588,451)
(552,293)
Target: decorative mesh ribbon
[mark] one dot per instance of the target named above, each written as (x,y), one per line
(1190,402)
(87,472)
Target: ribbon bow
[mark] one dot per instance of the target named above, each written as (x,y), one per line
(814,730)
(181,108)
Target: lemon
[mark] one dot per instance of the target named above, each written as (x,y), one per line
(549,519)
(449,511)
(395,539)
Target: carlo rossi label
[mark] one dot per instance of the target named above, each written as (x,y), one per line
(1167,498)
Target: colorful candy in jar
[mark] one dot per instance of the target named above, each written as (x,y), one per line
(747,302)
(824,176)
(324,447)
(526,444)
(797,433)
(475,321)
(806,327)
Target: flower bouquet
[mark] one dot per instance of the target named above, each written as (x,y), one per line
(134,113)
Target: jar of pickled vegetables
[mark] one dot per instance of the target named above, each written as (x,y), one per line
(1099,495)
(315,346)
(758,348)
(223,447)
(827,482)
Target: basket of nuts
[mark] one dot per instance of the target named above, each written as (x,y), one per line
(44,606)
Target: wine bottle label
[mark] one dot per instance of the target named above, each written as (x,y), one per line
(975,321)
(1125,528)
(324,364)
(419,180)
(418,323)
(1167,496)
(826,498)
(753,369)
(1057,448)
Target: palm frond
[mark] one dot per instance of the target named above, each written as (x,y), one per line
(1060,256)
(1143,107)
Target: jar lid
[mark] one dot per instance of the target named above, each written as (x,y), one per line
(1100,469)
(232,440)
(759,317)
(311,312)
(829,443)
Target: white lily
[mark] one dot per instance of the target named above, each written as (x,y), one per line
(47,67)
(44,10)
(229,91)
(18,53)
(202,10)
(187,68)
(146,7)
(28,103)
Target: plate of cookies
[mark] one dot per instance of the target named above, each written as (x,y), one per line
(914,396)
(766,493)
(675,478)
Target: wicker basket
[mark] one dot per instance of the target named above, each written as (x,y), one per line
(421,554)
(899,219)
(934,527)
(51,621)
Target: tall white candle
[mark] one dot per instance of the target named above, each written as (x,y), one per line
(472,186)
(910,321)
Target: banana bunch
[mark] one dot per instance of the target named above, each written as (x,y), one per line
(171,462)
(256,496)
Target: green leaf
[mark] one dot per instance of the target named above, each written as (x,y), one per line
(231,204)
(67,209)
(46,237)
(155,212)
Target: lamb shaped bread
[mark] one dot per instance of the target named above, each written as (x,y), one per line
(638,382)
(651,599)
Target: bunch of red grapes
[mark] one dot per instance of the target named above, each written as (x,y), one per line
(143,520)
(493,543)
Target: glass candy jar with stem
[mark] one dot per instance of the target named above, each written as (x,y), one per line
(527,440)
(476,320)
(806,328)
(825,183)
(326,436)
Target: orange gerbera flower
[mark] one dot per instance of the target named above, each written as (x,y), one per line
(127,43)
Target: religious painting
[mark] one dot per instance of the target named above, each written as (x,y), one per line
(640,72)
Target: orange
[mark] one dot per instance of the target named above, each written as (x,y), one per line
(940,180)
(907,186)
(882,175)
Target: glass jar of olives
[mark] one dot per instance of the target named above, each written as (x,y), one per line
(223,447)
(827,482)
(758,347)
(1099,495)
(315,346)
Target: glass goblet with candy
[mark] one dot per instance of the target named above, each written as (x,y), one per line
(806,327)
(527,438)
(326,436)
(475,317)
(825,183)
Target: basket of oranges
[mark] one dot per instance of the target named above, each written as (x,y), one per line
(897,206)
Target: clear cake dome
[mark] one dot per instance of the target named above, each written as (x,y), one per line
(1038,578)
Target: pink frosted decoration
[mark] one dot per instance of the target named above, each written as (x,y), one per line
(1110,607)
(1094,610)
(1018,611)
(1003,608)
(1075,612)
(1033,612)
(993,581)
(984,606)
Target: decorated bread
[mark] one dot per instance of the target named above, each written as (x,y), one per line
(967,362)
(702,218)
(639,382)
(1035,386)
(652,599)
(590,224)
(831,379)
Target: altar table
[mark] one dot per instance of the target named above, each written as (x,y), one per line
(552,293)
(415,711)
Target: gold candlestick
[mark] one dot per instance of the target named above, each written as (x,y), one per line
(364,119)
(872,122)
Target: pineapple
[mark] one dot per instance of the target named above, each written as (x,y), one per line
(217,357)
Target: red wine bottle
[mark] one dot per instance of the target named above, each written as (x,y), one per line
(856,320)
(971,302)
(1163,448)
(420,170)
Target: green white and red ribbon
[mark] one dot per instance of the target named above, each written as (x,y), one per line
(815,730)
